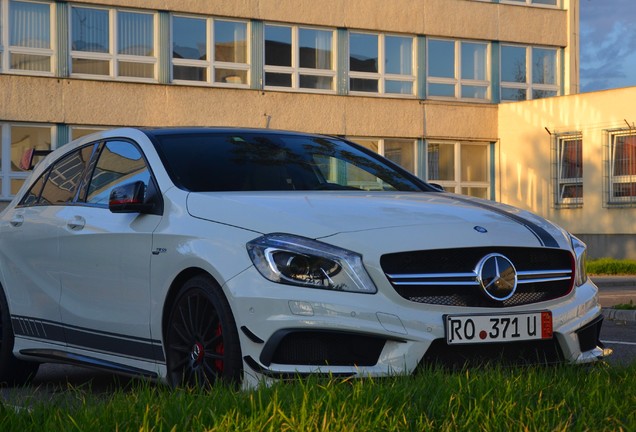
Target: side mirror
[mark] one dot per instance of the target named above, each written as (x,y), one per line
(437,186)
(129,198)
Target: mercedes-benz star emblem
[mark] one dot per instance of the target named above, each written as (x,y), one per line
(497,276)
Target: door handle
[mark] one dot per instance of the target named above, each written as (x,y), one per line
(76,224)
(17,220)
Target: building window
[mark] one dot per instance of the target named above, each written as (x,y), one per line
(113,43)
(528,72)
(211,51)
(29,37)
(458,69)
(621,168)
(16,139)
(299,58)
(400,151)
(533,2)
(568,171)
(382,64)
(81,131)
(460,167)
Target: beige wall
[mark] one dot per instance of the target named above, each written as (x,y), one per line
(524,156)
(453,18)
(85,102)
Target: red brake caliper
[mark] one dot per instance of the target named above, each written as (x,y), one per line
(219,349)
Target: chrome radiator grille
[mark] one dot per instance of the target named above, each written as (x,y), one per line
(449,276)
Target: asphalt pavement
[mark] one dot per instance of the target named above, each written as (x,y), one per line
(616,290)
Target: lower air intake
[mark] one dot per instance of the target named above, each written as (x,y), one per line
(321,348)
(511,353)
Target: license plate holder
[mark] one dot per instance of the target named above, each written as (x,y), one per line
(494,328)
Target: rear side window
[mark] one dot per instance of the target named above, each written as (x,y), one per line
(60,181)
(119,162)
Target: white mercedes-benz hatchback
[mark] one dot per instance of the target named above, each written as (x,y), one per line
(197,255)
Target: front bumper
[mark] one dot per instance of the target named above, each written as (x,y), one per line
(289,331)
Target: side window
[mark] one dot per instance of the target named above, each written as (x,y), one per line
(120,162)
(63,179)
(32,196)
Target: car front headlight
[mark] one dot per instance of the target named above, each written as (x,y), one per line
(294,260)
(580,255)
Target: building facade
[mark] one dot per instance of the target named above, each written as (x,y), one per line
(572,159)
(422,82)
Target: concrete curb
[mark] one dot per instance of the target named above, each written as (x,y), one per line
(614,281)
(619,314)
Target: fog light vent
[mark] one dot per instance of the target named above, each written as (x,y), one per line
(321,348)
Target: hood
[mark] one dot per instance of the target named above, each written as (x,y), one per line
(324,214)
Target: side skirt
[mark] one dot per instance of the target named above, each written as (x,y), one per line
(87,361)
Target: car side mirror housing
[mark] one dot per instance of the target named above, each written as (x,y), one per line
(129,198)
(437,186)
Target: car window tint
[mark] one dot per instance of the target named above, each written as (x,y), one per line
(31,197)
(253,162)
(65,176)
(119,162)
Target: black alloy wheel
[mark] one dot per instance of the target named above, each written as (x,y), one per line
(202,343)
(13,371)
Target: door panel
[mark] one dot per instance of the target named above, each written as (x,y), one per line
(105,262)
(104,272)
(28,252)
(29,245)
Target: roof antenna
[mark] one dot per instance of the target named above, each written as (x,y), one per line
(628,125)
(547,130)
(268,117)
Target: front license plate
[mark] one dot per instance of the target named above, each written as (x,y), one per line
(471,329)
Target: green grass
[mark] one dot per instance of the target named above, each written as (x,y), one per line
(611,266)
(561,398)
(625,306)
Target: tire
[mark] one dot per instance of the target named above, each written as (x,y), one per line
(13,371)
(202,343)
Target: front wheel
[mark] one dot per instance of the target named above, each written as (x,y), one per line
(202,342)
(12,370)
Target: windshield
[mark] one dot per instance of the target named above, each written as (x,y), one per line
(206,162)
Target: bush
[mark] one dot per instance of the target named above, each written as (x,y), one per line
(611,266)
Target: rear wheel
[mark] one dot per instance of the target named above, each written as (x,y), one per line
(12,370)
(202,343)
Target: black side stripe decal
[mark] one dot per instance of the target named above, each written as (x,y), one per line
(112,343)
(544,237)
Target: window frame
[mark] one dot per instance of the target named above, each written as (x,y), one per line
(295,70)
(457,81)
(559,181)
(457,184)
(6,174)
(211,64)
(381,76)
(529,86)
(6,49)
(90,129)
(611,179)
(112,56)
(557,4)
